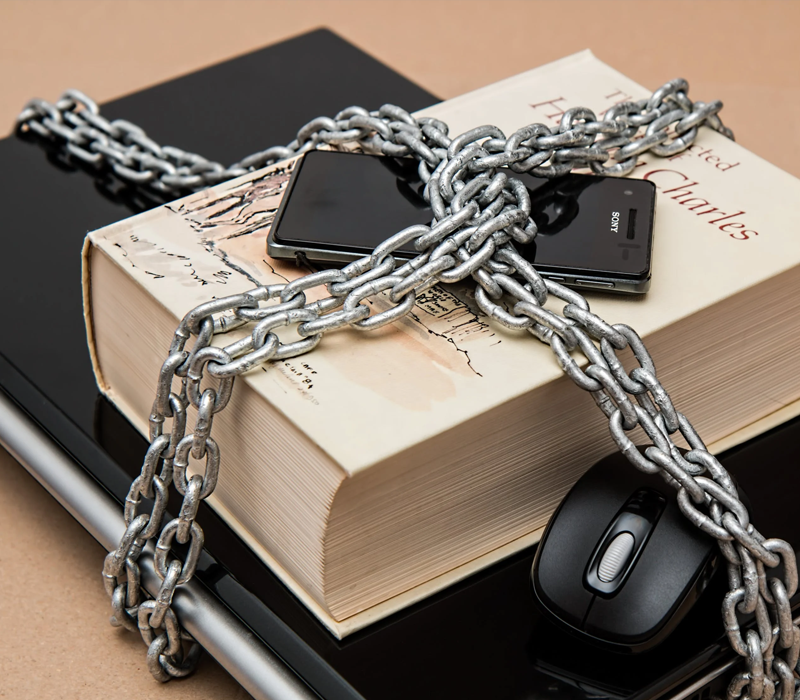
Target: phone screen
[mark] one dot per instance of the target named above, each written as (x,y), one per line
(352,202)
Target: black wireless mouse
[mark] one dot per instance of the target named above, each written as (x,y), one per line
(619,564)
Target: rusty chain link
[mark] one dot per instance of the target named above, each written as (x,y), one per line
(480,212)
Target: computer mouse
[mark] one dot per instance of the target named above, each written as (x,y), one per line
(619,564)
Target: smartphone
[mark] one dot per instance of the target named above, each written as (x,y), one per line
(594,232)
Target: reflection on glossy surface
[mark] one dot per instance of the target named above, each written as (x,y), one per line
(106,183)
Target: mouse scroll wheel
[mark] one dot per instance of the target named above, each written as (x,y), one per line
(616,557)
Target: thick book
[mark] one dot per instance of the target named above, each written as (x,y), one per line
(382,468)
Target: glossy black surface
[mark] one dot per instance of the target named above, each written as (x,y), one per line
(350,202)
(593,225)
(480,639)
(672,561)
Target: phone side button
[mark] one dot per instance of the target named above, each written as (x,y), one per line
(595,283)
(554,278)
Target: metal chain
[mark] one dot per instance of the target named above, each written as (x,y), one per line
(480,212)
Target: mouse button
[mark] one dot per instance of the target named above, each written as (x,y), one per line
(613,478)
(567,602)
(560,558)
(666,572)
(639,610)
(603,491)
(581,519)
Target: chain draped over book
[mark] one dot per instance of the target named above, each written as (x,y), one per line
(480,212)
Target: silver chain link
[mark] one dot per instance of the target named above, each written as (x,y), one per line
(480,211)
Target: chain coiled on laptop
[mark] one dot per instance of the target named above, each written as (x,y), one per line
(480,213)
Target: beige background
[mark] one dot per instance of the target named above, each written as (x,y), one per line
(54,637)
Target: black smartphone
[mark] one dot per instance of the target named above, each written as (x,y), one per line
(594,232)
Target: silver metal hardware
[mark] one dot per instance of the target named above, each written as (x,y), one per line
(480,213)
